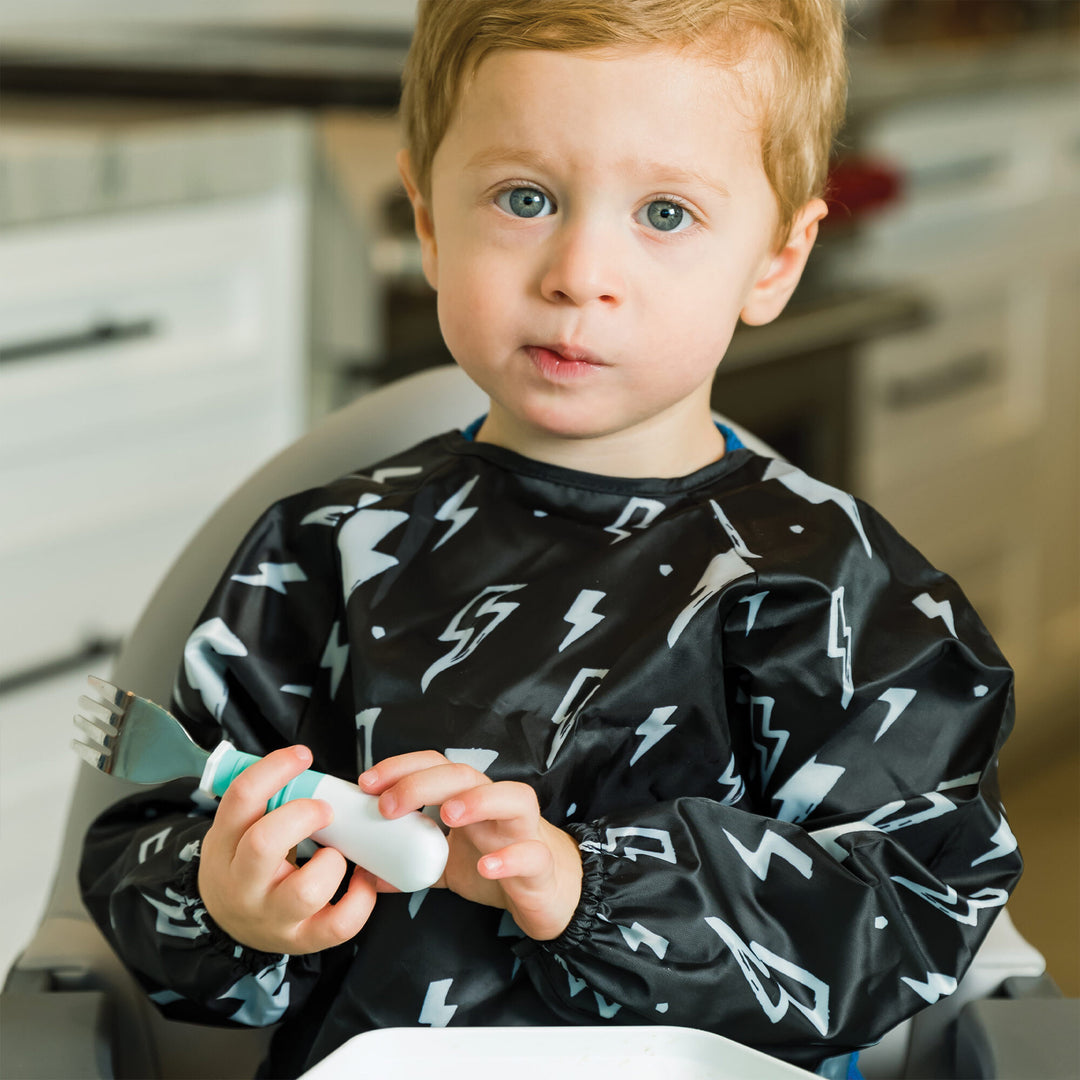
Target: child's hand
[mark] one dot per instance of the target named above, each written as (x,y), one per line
(502,852)
(247,882)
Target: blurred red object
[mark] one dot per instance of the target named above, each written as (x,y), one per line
(857,187)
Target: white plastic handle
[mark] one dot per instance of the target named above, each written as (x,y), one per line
(409,852)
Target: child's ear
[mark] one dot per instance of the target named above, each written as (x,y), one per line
(425,224)
(781,274)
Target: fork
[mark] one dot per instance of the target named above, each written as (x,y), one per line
(135,739)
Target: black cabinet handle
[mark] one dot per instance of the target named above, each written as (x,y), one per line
(949,380)
(105,332)
(94,648)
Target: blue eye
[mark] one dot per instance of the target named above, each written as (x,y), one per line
(524,202)
(666,216)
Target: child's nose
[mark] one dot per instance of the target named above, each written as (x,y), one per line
(583,264)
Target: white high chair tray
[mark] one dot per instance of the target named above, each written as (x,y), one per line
(539,1053)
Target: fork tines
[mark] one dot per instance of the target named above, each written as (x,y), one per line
(99,718)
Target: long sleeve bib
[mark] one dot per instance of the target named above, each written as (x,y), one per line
(769,723)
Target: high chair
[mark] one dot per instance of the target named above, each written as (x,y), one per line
(69,1009)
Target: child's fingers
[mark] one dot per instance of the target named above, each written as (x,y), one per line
(245,800)
(529,860)
(540,879)
(392,769)
(261,853)
(429,787)
(340,922)
(309,888)
(514,805)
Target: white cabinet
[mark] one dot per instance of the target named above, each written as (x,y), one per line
(149,361)
(966,433)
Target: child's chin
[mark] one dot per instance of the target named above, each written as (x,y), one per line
(571,421)
(570,428)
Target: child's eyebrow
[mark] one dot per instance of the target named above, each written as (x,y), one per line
(659,173)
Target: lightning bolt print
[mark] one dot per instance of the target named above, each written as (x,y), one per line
(652,729)
(758,964)
(733,780)
(637,935)
(898,699)
(939,805)
(606,1009)
(356,542)
(967,780)
(827,838)
(327,515)
(272,576)
(582,616)
(334,658)
(183,918)
(962,909)
(455,511)
(575,984)
(814,491)
(650,510)
(840,644)
(331,515)
(772,844)
(475,756)
(416,900)
(616,836)
(467,639)
(935,986)
(152,845)
(392,472)
(804,792)
(586,683)
(435,1012)
(205,663)
(1004,844)
(780,736)
(265,996)
(934,609)
(721,571)
(733,535)
(753,606)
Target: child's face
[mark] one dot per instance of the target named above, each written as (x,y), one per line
(611,208)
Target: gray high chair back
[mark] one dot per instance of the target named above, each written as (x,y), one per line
(69,1009)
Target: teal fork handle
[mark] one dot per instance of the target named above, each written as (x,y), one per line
(227,763)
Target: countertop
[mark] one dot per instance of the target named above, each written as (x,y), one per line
(322,63)
(819,318)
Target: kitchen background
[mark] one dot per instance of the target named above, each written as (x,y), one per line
(204,249)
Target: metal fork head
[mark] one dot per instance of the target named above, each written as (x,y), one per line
(100,718)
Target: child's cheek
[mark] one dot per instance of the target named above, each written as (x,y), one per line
(468,307)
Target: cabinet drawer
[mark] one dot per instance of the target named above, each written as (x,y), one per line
(973,155)
(142,317)
(120,477)
(970,380)
(62,594)
(78,569)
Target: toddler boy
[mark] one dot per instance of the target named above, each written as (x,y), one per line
(714,746)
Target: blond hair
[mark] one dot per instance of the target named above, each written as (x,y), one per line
(800,85)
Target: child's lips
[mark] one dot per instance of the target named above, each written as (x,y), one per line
(563,361)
